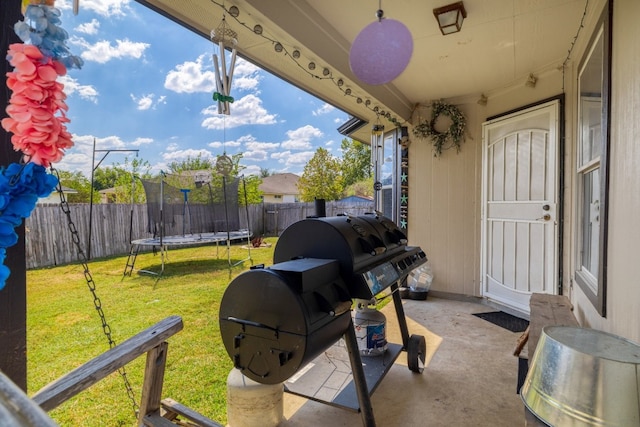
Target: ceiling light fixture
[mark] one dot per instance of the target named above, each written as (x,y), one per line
(450,17)
(381,51)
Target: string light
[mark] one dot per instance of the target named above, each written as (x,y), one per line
(295,55)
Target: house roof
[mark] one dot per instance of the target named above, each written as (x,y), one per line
(280,183)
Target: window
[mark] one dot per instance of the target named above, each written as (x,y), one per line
(386,171)
(592,165)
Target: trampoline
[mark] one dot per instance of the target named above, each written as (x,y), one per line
(191,209)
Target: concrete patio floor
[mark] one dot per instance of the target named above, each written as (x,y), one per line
(470,378)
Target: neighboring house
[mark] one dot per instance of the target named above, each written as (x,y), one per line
(280,188)
(54,197)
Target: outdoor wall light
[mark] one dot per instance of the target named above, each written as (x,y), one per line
(450,17)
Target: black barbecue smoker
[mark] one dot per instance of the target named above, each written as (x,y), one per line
(291,322)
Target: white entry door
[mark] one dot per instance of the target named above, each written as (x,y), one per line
(520,206)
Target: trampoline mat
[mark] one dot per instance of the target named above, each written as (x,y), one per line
(193,239)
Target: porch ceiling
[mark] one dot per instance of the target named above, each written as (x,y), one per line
(501,42)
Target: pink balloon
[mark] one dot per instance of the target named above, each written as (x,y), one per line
(381,51)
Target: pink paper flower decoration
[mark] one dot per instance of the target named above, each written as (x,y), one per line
(37,106)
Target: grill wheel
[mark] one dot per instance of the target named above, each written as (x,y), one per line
(416,353)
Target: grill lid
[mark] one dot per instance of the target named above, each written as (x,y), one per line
(360,244)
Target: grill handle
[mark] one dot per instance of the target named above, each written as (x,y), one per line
(245,322)
(341,308)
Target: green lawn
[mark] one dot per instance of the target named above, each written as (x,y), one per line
(64,329)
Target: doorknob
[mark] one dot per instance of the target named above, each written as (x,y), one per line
(545,217)
(546,207)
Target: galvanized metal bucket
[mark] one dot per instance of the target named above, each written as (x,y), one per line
(584,377)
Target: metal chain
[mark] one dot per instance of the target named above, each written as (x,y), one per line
(64,205)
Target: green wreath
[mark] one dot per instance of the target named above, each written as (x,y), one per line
(452,137)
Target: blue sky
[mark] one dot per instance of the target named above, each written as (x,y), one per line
(147,85)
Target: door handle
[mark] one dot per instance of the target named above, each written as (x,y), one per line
(545,217)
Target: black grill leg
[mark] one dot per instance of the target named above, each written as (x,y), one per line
(359,379)
(402,320)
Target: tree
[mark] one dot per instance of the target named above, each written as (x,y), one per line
(322,178)
(362,188)
(78,182)
(191,164)
(264,172)
(106,177)
(123,184)
(251,183)
(356,161)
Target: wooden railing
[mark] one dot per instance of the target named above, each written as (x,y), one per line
(19,410)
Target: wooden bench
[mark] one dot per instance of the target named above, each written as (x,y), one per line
(545,310)
(27,412)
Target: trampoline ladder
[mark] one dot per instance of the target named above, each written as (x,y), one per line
(131,260)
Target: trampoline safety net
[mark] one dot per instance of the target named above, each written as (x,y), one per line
(191,204)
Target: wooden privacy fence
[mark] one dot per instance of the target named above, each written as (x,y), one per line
(49,240)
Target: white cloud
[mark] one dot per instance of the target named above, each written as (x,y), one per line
(179,155)
(190,77)
(103,51)
(255,155)
(199,76)
(141,141)
(255,150)
(146,102)
(300,139)
(71,86)
(172,147)
(325,109)
(251,170)
(81,158)
(298,159)
(281,156)
(269,146)
(225,144)
(247,110)
(89,27)
(105,8)
(245,76)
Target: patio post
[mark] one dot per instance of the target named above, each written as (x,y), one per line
(13,298)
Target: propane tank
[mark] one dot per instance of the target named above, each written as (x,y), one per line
(371,328)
